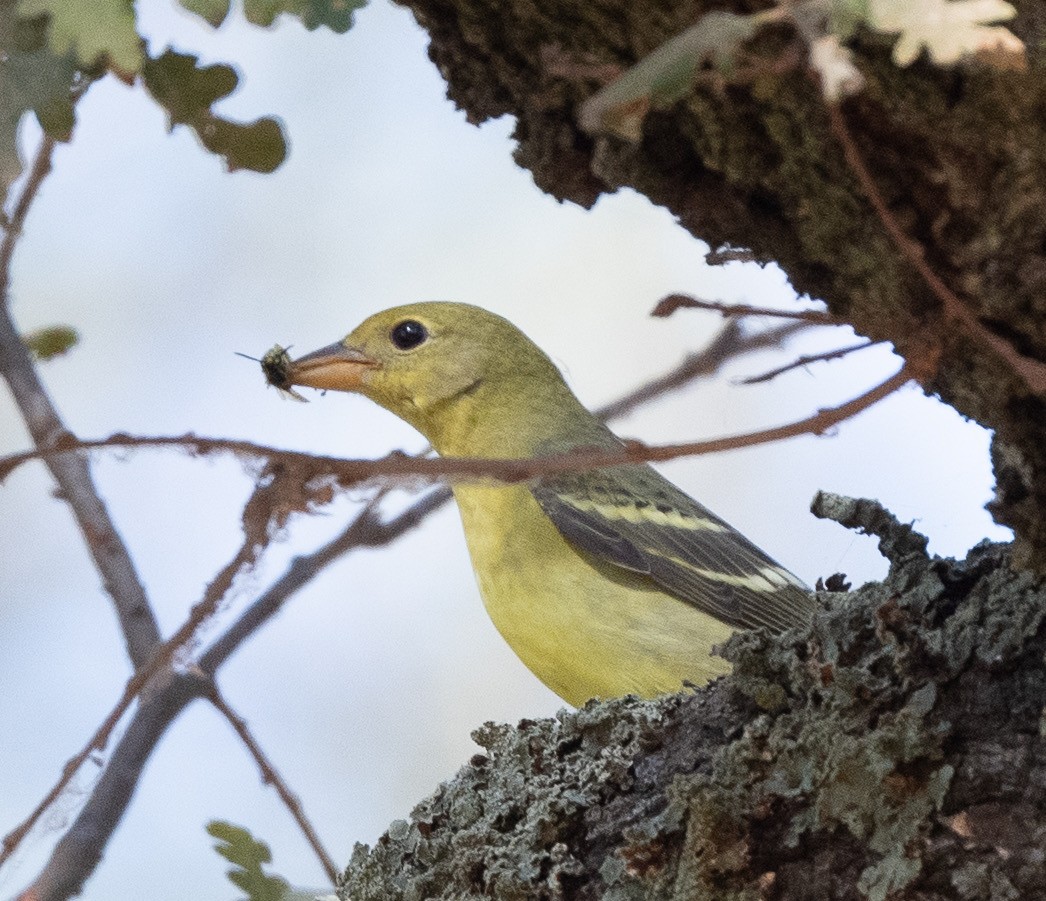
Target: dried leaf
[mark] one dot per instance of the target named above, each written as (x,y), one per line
(834,63)
(949,30)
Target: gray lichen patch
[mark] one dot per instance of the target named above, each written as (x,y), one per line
(546,803)
(883,753)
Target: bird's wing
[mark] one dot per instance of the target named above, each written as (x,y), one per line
(632,517)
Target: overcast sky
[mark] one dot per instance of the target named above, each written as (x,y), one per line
(365,689)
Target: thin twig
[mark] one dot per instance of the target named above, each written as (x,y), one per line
(72,473)
(730,344)
(668,305)
(160,659)
(730,255)
(13,228)
(806,361)
(1032,371)
(271,776)
(402,466)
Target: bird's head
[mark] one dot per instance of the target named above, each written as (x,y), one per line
(442,367)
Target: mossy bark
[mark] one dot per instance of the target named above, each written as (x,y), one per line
(896,750)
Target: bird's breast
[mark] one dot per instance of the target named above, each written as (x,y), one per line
(586,628)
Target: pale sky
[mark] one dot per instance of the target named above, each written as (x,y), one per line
(365,689)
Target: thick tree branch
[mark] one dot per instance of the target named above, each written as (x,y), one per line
(1030,370)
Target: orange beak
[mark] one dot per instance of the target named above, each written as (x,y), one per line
(335,367)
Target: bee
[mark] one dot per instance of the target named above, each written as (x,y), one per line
(276,365)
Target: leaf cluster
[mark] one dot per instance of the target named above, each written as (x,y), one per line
(949,31)
(51,51)
(248,855)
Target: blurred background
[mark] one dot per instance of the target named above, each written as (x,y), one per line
(365,689)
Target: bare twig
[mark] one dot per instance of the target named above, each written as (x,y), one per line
(730,344)
(806,361)
(730,255)
(71,472)
(271,776)
(402,466)
(1031,371)
(159,660)
(13,227)
(668,305)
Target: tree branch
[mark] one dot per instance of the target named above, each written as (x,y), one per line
(72,473)
(807,360)
(1032,371)
(271,776)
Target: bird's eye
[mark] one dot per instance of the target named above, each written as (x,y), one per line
(408,334)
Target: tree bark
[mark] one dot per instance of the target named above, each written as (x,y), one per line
(893,751)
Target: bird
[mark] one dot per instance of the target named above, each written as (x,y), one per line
(607,582)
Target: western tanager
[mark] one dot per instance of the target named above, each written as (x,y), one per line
(605,582)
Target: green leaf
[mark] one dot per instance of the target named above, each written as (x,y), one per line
(184,89)
(212,11)
(96,31)
(846,17)
(53,341)
(258,146)
(335,14)
(664,76)
(188,91)
(32,78)
(248,854)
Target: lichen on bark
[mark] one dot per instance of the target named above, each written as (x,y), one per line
(882,754)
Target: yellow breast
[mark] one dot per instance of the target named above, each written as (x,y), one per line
(584,627)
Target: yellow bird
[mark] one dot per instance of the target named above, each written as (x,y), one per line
(605,583)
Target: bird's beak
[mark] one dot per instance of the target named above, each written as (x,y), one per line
(335,367)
